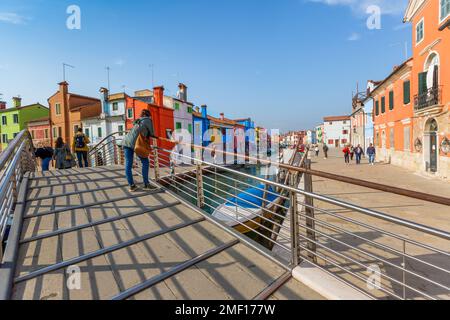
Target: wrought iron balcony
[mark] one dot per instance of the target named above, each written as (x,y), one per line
(429,98)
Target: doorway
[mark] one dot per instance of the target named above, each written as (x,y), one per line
(431,134)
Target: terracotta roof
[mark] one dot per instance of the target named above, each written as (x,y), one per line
(42,119)
(394,72)
(23,107)
(336,118)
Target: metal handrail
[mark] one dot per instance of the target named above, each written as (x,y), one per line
(17,159)
(311,238)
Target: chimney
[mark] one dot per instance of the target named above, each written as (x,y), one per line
(158,93)
(182,93)
(17,102)
(63,87)
(204,111)
(222,116)
(105,93)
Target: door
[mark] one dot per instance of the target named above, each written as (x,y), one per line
(433,152)
(336,143)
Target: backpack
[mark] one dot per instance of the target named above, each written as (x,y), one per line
(79,142)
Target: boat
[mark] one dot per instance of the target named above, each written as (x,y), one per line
(243,212)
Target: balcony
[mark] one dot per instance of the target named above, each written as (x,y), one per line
(428,100)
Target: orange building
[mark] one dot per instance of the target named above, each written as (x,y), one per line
(67,110)
(393,116)
(163,119)
(430,84)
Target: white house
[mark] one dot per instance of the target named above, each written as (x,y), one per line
(111,120)
(336,131)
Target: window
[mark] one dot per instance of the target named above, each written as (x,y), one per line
(120,129)
(178,126)
(391,100)
(4,120)
(15,118)
(75,128)
(345,122)
(87,132)
(115,106)
(445,9)
(189,110)
(99,132)
(46,133)
(383,104)
(377,107)
(423,87)
(345,132)
(169,134)
(407,137)
(330,141)
(419,31)
(177,106)
(15,134)
(406,92)
(4,138)
(58,109)
(130,113)
(55,132)
(330,123)
(190,128)
(344,141)
(33,135)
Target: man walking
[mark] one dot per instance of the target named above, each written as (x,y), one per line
(371,152)
(325,151)
(346,152)
(358,153)
(81,148)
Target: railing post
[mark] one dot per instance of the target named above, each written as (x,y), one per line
(200,193)
(309,212)
(156,162)
(295,248)
(116,156)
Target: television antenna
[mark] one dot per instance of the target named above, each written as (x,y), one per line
(64,69)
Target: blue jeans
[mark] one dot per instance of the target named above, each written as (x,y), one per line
(45,164)
(371,158)
(129,158)
(358,158)
(82,159)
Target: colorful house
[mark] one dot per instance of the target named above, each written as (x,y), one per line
(430,85)
(15,119)
(40,131)
(337,131)
(68,110)
(393,116)
(162,116)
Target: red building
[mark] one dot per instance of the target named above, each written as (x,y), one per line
(163,118)
(40,131)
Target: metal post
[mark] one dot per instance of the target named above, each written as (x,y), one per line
(156,164)
(116,153)
(309,212)
(200,193)
(295,248)
(404,268)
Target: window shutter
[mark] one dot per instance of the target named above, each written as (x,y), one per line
(423,83)
(377,107)
(391,100)
(406,92)
(383,104)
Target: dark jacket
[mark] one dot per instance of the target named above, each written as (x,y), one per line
(142,126)
(371,151)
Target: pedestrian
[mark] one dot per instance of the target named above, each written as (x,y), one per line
(358,153)
(144,127)
(317,150)
(325,151)
(371,153)
(346,152)
(62,155)
(46,155)
(352,152)
(80,147)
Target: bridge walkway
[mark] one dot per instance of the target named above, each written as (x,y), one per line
(122,245)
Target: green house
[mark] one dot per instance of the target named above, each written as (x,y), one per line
(13,120)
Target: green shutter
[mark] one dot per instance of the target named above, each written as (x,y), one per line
(383,104)
(178,125)
(177,106)
(190,128)
(423,83)
(391,100)
(377,107)
(406,92)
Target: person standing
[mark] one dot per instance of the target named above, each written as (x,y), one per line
(62,155)
(143,126)
(317,150)
(352,152)
(80,148)
(325,151)
(46,155)
(358,153)
(371,153)
(346,152)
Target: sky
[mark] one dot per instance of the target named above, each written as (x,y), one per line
(284,63)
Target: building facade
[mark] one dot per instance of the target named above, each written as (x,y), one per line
(337,131)
(430,85)
(40,131)
(362,117)
(68,110)
(393,117)
(15,119)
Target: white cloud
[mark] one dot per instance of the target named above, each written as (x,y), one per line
(359,7)
(10,17)
(354,37)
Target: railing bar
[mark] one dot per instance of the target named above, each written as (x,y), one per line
(103,251)
(173,271)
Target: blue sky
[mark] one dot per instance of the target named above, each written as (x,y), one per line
(285,63)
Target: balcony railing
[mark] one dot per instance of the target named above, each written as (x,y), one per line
(427,99)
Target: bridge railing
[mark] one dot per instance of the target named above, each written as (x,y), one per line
(17,159)
(376,253)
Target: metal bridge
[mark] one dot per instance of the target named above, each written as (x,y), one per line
(161,244)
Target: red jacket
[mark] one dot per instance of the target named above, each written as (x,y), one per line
(346,150)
